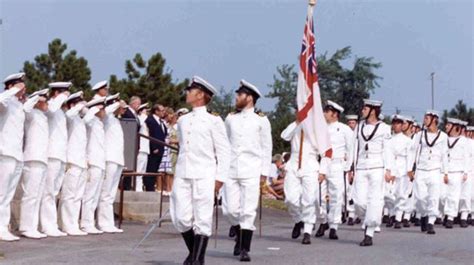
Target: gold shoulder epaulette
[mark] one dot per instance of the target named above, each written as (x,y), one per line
(261,114)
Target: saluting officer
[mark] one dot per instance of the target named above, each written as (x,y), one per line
(251,156)
(35,156)
(12,120)
(57,158)
(96,163)
(114,146)
(74,184)
(201,169)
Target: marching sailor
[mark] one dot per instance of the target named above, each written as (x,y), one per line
(400,145)
(430,152)
(341,137)
(201,169)
(352,121)
(371,167)
(250,138)
(458,170)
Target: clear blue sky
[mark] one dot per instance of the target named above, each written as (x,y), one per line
(224,41)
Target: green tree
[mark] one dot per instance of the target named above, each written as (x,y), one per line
(460,111)
(283,89)
(222,103)
(151,81)
(57,65)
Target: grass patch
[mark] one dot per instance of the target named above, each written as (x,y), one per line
(274,204)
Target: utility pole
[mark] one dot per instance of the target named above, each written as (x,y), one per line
(432,90)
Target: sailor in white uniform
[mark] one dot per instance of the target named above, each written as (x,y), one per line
(35,156)
(430,152)
(74,183)
(57,158)
(12,119)
(372,167)
(201,170)
(250,138)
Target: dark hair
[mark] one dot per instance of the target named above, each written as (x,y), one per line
(155,107)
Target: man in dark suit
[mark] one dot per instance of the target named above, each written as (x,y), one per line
(157,129)
(131,113)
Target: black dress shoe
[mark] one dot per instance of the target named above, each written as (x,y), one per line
(385,219)
(246,242)
(405,223)
(234,230)
(456,220)
(424,223)
(397,225)
(366,242)
(306,239)
(449,224)
(390,221)
(357,221)
(463,223)
(350,221)
(322,228)
(417,222)
(297,230)
(333,234)
(438,221)
(430,229)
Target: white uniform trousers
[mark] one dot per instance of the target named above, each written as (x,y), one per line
(54,179)
(453,194)
(402,187)
(426,190)
(105,211)
(300,197)
(192,205)
(242,201)
(10,172)
(320,202)
(91,197)
(389,198)
(350,206)
(335,188)
(142,161)
(72,192)
(29,194)
(368,195)
(465,198)
(443,196)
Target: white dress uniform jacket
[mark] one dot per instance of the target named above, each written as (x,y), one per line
(202,138)
(251,144)
(57,129)
(77,137)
